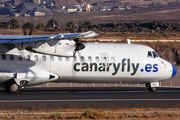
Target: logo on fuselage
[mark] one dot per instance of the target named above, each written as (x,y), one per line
(125,65)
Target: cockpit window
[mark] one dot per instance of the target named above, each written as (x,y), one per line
(152,54)
(149,54)
(155,54)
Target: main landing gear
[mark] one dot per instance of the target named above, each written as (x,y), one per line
(12,87)
(152,86)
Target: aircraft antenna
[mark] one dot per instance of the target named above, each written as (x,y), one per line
(128,40)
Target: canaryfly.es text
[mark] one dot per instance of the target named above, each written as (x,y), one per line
(124,66)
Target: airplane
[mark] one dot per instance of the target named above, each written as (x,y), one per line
(28,60)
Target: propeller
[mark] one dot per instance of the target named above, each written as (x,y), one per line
(79,46)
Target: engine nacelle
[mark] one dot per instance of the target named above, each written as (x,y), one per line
(34,77)
(62,48)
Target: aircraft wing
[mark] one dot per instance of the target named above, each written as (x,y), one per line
(22,41)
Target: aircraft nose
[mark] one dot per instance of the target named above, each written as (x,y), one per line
(174,71)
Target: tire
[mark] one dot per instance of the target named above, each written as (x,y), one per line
(12,87)
(152,89)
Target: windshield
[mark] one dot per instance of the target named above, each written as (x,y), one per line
(155,54)
(152,54)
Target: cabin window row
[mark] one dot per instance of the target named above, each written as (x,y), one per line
(44,58)
(28,57)
(97,59)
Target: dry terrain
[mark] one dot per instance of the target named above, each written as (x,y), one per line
(110,114)
(170,13)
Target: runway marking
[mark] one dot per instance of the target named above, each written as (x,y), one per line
(115,112)
(86,100)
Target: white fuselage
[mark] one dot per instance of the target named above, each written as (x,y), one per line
(96,63)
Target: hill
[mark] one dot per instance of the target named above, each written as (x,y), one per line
(112,3)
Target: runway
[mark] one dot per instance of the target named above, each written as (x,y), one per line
(90,97)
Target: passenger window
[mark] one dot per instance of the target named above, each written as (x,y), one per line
(20,57)
(4,57)
(90,59)
(97,59)
(36,58)
(51,58)
(28,57)
(11,57)
(82,59)
(59,58)
(112,59)
(67,58)
(149,54)
(104,59)
(155,54)
(75,58)
(44,58)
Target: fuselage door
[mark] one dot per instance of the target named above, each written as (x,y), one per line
(105,59)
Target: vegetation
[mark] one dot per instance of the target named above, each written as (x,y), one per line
(93,114)
(14,23)
(39,25)
(52,116)
(133,113)
(50,23)
(27,25)
(4,26)
(70,24)
(86,24)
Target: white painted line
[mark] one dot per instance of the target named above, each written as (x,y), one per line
(86,100)
(115,112)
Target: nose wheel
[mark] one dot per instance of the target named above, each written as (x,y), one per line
(12,87)
(150,88)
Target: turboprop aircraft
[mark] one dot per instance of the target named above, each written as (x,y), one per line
(32,60)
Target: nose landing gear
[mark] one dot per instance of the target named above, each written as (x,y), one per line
(152,86)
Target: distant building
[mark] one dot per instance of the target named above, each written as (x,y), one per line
(43,2)
(15,14)
(78,7)
(6,10)
(72,10)
(24,8)
(88,7)
(63,7)
(29,9)
(121,9)
(26,15)
(39,13)
(128,7)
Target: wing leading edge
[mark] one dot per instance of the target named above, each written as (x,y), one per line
(11,39)
(35,41)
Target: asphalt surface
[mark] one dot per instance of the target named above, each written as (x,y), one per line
(90,97)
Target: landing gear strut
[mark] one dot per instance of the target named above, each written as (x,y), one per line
(12,87)
(150,88)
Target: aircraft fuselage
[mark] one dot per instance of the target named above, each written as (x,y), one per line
(96,63)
